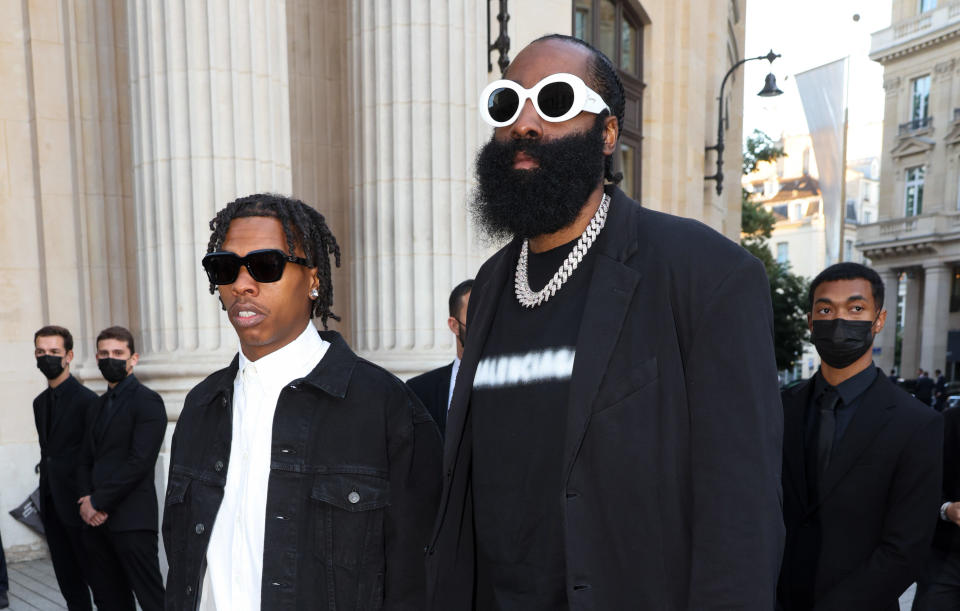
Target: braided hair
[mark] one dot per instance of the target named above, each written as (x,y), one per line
(302,225)
(607,83)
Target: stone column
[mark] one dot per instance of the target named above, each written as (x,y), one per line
(886,340)
(210,122)
(936,311)
(910,353)
(416,70)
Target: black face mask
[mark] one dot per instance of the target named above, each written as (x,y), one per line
(113,370)
(50,366)
(840,342)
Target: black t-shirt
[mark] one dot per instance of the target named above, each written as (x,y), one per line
(518,410)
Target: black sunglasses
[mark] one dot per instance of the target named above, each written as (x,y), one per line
(264,265)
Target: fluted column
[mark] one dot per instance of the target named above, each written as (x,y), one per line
(210,122)
(417,67)
(936,314)
(887,339)
(910,353)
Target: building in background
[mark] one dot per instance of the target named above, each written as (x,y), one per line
(790,190)
(125,124)
(915,245)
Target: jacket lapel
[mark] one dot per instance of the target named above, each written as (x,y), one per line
(480,314)
(872,415)
(612,287)
(794,461)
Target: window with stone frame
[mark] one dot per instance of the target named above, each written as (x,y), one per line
(927,5)
(955,291)
(616,28)
(919,100)
(913,193)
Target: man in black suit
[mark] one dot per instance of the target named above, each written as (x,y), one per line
(614,438)
(938,589)
(116,477)
(435,387)
(940,391)
(60,413)
(862,462)
(925,386)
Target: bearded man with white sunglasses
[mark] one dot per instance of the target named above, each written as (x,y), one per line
(614,438)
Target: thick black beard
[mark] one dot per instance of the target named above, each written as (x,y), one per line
(530,203)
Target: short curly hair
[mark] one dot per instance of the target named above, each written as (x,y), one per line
(302,225)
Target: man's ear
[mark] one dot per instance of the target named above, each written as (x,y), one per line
(454,326)
(880,323)
(810,321)
(134,359)
(611,132)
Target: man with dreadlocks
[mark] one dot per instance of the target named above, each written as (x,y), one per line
(301,476)
(614,436)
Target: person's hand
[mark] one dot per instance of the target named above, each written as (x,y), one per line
(953,512)
(90,515)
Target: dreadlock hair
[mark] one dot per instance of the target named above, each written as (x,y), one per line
(607,83)
(302,225)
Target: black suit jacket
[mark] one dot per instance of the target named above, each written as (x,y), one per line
(947,534)
(60,449)
(117,466)
(671,467)
(433,389)
(866,539)
(925,389)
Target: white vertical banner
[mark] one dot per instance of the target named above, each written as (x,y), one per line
(823,93)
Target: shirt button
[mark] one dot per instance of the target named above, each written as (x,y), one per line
(223,401)
(218,466)
(198,528)
(189,590)
(353,497)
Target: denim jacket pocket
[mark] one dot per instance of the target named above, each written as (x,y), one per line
(349,517)
(174,509)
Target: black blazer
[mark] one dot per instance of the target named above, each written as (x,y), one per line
(947,534)
(867,538)
(433,389)
(60,450)
(117,467)
(671,465)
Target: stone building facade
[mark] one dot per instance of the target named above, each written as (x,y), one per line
(125,124)
(916,243)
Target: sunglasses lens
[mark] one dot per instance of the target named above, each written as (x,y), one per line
(503,104)
(555,99)
(266,266)
(221,268)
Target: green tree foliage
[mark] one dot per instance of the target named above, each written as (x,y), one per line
(787,291)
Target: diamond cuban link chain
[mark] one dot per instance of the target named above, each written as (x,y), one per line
(530,299)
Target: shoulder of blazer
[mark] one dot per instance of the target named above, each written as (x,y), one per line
(684,247)
(797,392)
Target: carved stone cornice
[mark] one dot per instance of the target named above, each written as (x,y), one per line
(912,145)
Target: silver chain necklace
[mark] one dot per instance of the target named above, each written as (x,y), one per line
(530,299)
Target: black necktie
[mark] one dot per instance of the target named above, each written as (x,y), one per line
(828,428)
(104,417)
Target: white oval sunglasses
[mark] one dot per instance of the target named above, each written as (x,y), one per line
(556,98)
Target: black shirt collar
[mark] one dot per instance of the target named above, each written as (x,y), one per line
(850,389)
(122,385)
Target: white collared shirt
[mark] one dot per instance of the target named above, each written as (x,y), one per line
(235,553)
(453,381)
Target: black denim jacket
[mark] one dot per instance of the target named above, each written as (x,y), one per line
(354,483)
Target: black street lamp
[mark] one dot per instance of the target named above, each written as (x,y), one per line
(769,90)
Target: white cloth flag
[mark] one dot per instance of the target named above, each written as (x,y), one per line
(822,93)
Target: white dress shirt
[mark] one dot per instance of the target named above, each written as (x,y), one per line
(453,381)
(235,553)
